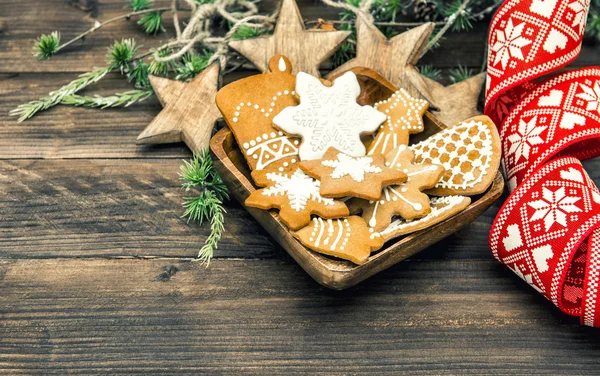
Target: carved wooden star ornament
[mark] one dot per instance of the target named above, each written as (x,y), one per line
(306,49)
(455,103)
(189,112)
(391,58)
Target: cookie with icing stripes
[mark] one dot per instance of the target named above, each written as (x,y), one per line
(346,238)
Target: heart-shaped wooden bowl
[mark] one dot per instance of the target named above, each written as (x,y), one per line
(329,272)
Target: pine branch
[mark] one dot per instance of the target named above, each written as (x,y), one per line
(460,73)
(199,174)
(125,99)
(431,72)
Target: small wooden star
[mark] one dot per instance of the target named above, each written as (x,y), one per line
(307,49)
(189,112)
(389,57)
(342,175)
(455,103)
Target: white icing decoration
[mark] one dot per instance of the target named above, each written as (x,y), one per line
(391,194)
(462,138)
(298,188)
(329,116)
(355,167)
(448,202)
(281,65)
(331,231)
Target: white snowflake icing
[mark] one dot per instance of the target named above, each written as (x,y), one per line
(553,207)
(580,8)
(298,188)
(528,135)
(355,167)
(329,116)
(509,43)
(591,95)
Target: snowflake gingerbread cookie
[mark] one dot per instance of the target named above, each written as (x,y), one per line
(342,175)
(329,117)
(297,196)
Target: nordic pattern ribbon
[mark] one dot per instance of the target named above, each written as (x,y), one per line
(548,230)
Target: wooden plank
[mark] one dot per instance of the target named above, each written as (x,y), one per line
(110,208)
(268,317)
(23,24)
(132,207)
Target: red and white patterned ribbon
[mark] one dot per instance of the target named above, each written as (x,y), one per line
(548,230)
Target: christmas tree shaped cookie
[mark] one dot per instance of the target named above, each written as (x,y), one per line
(297,196)
(342,175)
(329,117)
(406,199)
(404,117)
(248,107)
(347,238)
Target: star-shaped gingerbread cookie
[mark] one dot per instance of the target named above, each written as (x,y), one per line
(328,116)
(406,199)
(297,196)
(343,175)
(404,117)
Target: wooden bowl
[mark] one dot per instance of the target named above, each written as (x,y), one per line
(333,273)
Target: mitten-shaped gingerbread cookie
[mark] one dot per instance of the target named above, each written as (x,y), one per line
(297,196)
(347,238)
(249,105)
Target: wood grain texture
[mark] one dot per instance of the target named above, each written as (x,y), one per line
(269,318)
(189,113)
(110,208)
(306,49)
(392,58)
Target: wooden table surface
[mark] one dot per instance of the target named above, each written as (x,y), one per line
(95,270)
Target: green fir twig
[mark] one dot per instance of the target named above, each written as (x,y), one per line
(199,174)
(125,99)
(460,73)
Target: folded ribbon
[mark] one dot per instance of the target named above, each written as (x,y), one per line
(548,230)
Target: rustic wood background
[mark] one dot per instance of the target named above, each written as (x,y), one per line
(95,276)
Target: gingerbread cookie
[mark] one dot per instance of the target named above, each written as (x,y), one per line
(404,117)
(346,238)
(342,175)
(329,117)
(248,107)
(468,151)
(297,196)
(442,208)
(406,199)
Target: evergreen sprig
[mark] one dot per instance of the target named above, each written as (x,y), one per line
(137,5)
(199,174)
(192,64)
(460,73)
(430,72)
(245,32)
(46,45)
(125,99)
(151,23)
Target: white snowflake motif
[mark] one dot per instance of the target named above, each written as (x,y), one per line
(299,188)
(329,116)
(553,207)
(592,96)
(355,167)
(580,8)
(526,277)
(509,43)
(528,135)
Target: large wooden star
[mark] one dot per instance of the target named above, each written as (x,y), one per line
(455,103)
(391,58)
(306,49)
(189,112)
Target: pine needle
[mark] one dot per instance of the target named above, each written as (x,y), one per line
(460,73)
(199,174)
(46,45)
(125,99)
(431,72)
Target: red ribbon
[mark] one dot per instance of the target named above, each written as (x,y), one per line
(548,230)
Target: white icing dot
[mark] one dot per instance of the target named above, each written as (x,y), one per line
(296,142)
(273,134)
(258,139)
(285,164)
(235,120)
(246,145)
(249,104)
(272,104)
(265,136)
(237,108)
(242,104)
(286,92)
(256,107)
(267,115)
(252,142)
(279,93)
(293,160)
(255,156)
(237,113)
